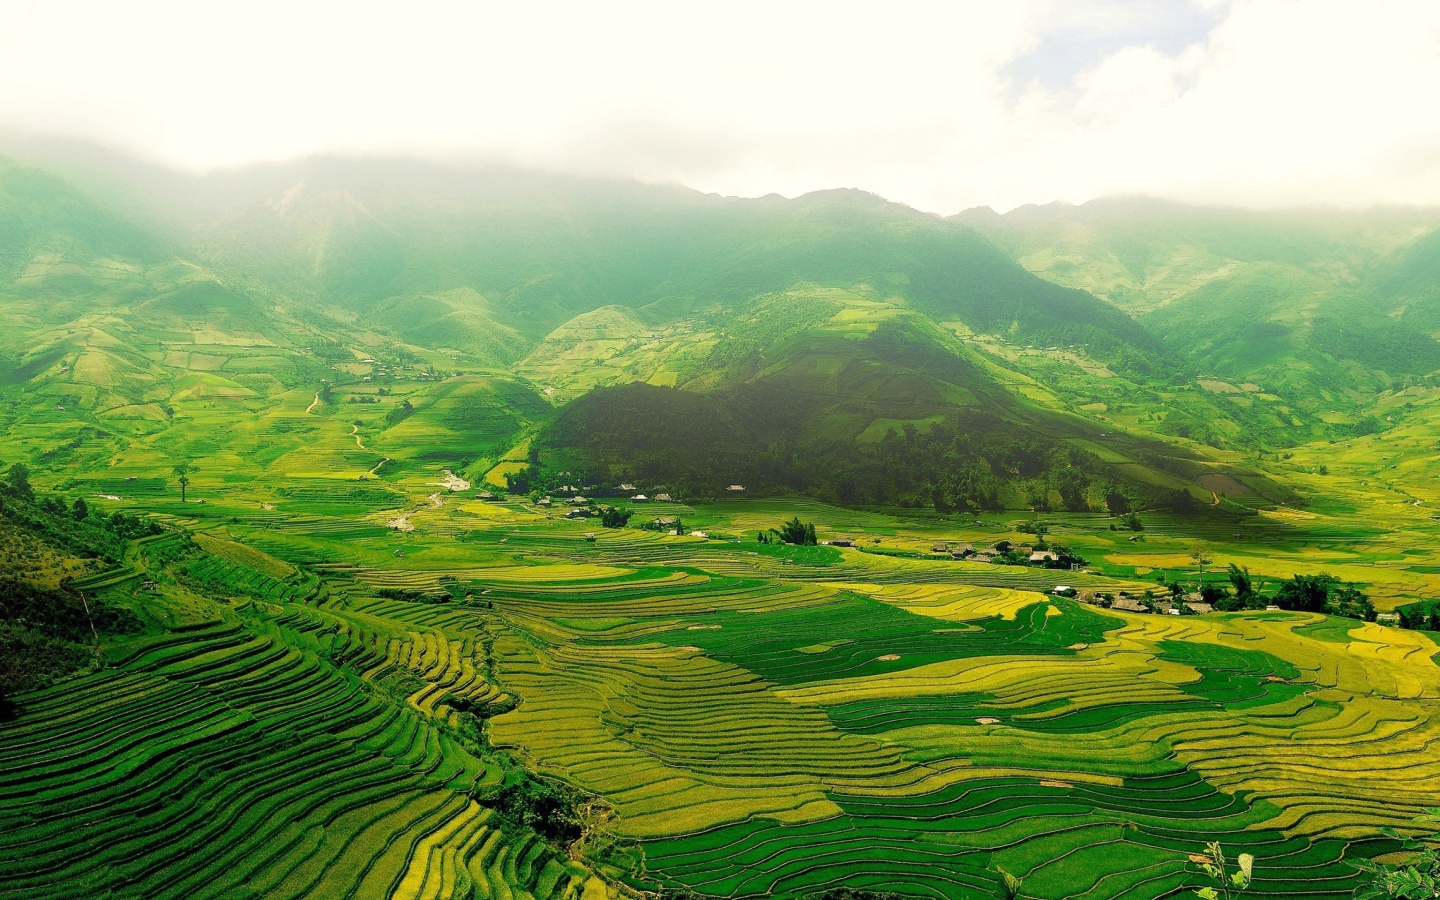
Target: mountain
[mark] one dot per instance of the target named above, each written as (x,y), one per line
(1406,284)
(836,344)
(486,249)
(832,395)
(1306,304)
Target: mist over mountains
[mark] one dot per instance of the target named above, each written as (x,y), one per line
(802,345)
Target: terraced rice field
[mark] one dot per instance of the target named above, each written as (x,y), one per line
(745,722)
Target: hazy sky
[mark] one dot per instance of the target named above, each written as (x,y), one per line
(943,105)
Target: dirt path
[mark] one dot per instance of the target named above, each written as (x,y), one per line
(355,433)
(400,523)
(313,403)
(436,500)
(452,482)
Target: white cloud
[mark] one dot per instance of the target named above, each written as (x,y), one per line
(1282,101)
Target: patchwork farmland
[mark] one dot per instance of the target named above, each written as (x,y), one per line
(319,708)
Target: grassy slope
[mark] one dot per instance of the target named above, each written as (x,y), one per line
(1294,302)
(789,389)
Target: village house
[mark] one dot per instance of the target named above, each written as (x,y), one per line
(664,498)
(736,489)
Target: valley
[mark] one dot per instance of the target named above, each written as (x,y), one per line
(300,601)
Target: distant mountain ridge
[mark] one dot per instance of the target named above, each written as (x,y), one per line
(827,333)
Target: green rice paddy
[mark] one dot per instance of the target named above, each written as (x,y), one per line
(748,722)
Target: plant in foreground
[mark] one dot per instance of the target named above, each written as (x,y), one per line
(1009,885)
(1417,879)
(1228,884)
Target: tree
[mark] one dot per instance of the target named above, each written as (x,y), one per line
(79,509)
(19,478)
(1418,878)
(182,472)
(550,809)
(398,414)
(1307,593)
(1116,502)
(611,517)
(1201,557)
(1350,602)
(797,532)
(1241,581)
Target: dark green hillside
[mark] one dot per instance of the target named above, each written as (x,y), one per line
(49,627)
(1408,283)
(1296,304)
(1292,332)
(904,415)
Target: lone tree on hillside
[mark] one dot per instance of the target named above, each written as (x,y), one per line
(1201,557)
(182,471)
(19,478)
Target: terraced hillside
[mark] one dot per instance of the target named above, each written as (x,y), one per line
(315,707)
(302,601)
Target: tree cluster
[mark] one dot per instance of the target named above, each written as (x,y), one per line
(549,809)
(614,517)
(1322,593)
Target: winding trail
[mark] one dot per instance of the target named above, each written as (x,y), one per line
(355,433)
(313,403)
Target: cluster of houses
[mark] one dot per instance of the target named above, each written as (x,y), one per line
(1184,606)
(1033,555)
(636,497)
(581,507)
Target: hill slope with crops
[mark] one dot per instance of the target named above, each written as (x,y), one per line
(385,529)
